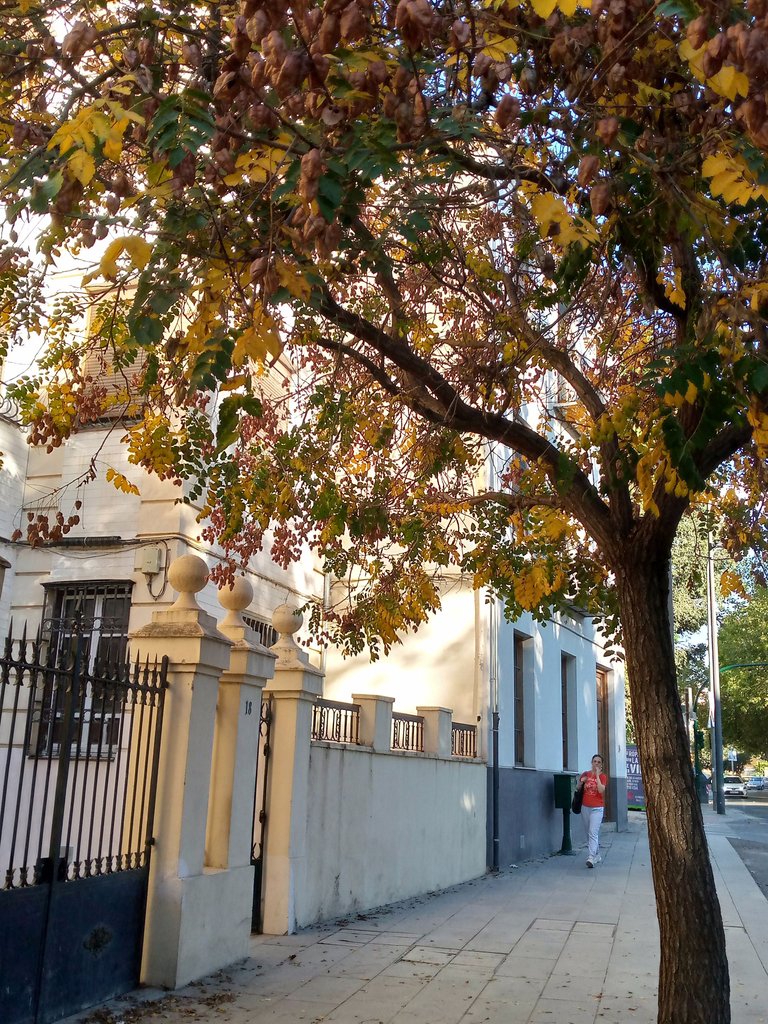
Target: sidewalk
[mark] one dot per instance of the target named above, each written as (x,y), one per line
(505,949)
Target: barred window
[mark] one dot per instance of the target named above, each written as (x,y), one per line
(95,616)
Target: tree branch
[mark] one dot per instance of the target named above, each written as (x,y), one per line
(428,393)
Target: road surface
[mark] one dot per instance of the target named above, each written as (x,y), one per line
(748,833)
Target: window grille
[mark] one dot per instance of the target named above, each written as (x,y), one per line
(99,613)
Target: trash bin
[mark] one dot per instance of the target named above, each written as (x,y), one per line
(565,787)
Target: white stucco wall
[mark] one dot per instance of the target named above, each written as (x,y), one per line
(450,662)
(577,637)
(383,827)
(439,664)
(37,480)
(13,453)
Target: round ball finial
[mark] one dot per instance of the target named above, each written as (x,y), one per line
(187,574)
(236,597)
(287,620)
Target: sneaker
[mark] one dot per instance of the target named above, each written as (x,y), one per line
(590,862)
(597,859)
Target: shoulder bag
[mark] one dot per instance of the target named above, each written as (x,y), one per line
(578,796)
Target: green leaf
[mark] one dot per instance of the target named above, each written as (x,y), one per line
(44,193)
(685,9)
(146,330)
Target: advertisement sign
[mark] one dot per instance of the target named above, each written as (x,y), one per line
(635,791)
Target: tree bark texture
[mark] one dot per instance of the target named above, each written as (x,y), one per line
(693,975)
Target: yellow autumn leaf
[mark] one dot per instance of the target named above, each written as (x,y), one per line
(257,166)
(122,483)
(759,423)
(695,58)
(259,340)
(673,289)
(112,140)
(138,250)
(549,209)
(674,399)
(291,278)
(543,7)
(731,177)
(76,133)
(499,47)
(731,583)
(757,295)
(81,165)
(235,383)
(731,187)
(715,164)
(647,94)
(554,526)
(730,82)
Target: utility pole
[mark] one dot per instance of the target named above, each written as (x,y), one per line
(714,678)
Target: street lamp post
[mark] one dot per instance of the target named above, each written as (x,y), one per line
(714,678)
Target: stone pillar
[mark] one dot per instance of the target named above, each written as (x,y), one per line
(236,742)
(437,730)
(295,687)
(191,911)
(375,721)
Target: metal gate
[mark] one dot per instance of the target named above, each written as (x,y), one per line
(79,744)
(260,814)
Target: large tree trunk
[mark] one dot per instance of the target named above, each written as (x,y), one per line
(693,977)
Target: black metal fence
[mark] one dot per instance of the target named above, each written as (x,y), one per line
(407,731)
(259,828)
(335,721)
(79,747)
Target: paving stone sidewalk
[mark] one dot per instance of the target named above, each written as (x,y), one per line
(547,942)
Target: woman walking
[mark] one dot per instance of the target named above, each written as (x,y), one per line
(593,807)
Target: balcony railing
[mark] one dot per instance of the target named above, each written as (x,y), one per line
(335,721)
(463,740)
(407,732)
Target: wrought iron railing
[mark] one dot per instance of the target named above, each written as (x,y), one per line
(78,761)
(335,721)
(407,732)
(463,740)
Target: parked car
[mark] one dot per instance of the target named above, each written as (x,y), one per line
(734,786)
(756,782)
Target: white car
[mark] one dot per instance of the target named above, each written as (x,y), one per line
(734,786)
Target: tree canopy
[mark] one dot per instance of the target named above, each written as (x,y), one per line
(525,236)
(743,640)
(468,214)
